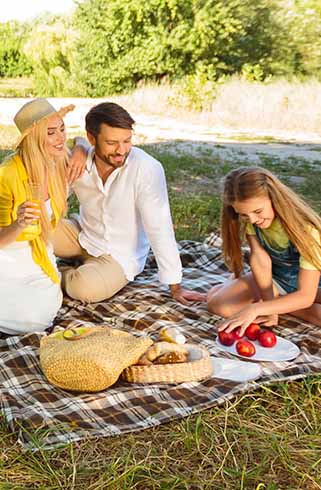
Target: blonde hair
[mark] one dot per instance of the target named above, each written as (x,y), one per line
(41,166)
(293,212)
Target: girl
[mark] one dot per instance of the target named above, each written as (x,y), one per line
(283,233)
(29,281)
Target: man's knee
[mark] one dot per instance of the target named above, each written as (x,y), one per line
(65,239)
(87,289)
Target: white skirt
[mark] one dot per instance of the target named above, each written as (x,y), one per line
(29,300)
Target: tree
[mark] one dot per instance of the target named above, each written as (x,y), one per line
(13,62)
(124,41)
(50,50)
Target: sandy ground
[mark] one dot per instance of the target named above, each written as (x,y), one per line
(189,136)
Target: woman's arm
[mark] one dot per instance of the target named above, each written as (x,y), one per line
(27,212)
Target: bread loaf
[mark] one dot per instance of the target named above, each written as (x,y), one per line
(160,348)
(171,358)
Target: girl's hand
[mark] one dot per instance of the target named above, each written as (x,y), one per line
(241,319)
(268,320)
(27,213)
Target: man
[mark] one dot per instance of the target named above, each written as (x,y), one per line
(124,210)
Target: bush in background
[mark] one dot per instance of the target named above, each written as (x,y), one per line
(113,46)
(122,42)
(50,50)
(13,62)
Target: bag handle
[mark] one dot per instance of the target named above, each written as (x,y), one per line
(75,334)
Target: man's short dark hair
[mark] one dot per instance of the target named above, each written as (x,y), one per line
(107,113)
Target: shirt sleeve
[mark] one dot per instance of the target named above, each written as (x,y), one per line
(6,199)
(304,263)
(249,229)
(152,201)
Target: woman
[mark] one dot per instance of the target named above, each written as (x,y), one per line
(29,281)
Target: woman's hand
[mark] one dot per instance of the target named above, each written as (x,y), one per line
(27,213)
(77,163)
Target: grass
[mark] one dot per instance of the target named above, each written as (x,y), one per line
(265,440)
(16,87)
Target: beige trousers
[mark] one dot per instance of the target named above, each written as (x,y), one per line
(98,278)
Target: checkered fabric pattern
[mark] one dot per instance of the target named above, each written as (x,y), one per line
(43,416)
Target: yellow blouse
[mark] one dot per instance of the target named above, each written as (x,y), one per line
(13,177)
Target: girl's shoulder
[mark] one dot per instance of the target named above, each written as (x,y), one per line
(314,232)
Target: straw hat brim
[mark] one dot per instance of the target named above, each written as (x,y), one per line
(61,112)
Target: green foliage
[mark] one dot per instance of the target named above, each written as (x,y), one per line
(51,52)
(122,42)
(113,46)
(194,217)
(299,47)
(196,92)
(13,62)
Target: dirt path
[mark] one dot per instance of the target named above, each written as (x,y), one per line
(190,136)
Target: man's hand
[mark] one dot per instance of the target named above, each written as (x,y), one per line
(77,161)
(185,296)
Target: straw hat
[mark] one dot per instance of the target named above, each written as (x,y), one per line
(34,111)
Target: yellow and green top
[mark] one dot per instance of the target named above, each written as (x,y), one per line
(277,238)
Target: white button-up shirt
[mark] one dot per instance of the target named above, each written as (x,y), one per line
(128,214)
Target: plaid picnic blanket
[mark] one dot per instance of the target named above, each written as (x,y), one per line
(43,416)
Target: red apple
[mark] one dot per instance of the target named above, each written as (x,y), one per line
(237,333)
(267,338)
(252,332)
(245,348)
(226,338)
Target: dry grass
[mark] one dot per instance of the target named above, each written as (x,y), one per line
(276,106)
(239,105)
(268,440)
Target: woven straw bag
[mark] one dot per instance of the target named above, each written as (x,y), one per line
(89,359)
(197,368)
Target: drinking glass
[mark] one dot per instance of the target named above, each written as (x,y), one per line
(34,195)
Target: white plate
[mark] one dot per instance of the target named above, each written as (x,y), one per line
(235,370)
(284,350)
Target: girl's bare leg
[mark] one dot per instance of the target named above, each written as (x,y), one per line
(232,296)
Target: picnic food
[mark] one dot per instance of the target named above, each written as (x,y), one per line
(237,333)
(171,358)
(267,338)
(252,331)
(245,348)
(172,334)
(160,348)
(198,366)
(226,338)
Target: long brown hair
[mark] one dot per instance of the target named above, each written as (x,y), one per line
(293,212)
(39,166)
